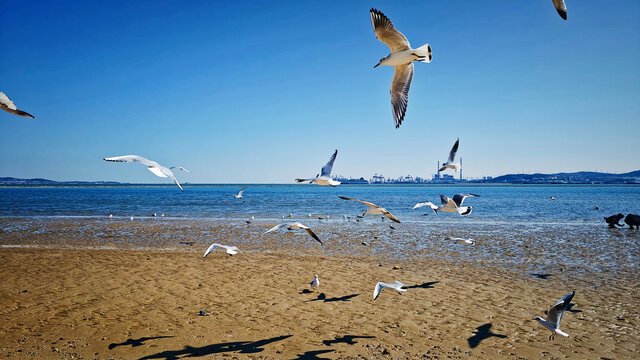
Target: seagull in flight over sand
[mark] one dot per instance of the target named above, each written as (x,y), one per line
(469,241)
(231,250)
(374,209)
(402,57)
(152,166)
(239,195)
(561,7)
(315,282)
(324,178)
(452,155)
(7,105)
(450,205)
(397,286)
(554,316)
(295,225)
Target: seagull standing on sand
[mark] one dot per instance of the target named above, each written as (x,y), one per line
(152,166)
(315,282)
(7,105)
(452,155)
(231,250)
(561,7)
(450,205)
(250,220)
(397,286)
(374,209)
(554,316)
(239,194)
(402,57)
(324,178)
(295,225)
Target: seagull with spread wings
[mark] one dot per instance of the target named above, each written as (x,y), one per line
(154,167)
(450,205)
(402,57)
(324,178)
(397,286)
(231,250)
(7,105)
(452,155)
(293,226)
(554,316)
(374,209)
(239,194)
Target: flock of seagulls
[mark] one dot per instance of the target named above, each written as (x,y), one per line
(401,57)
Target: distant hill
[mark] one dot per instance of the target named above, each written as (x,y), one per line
(39,181)
(581,177)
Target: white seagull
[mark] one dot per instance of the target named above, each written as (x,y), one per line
(402,57)
(452,154)
(315,282)
(450,205)
(152,166)
(374,209)
(324,178)
(231,250)
(561,7)
(469,241)
(239,194)
(250,220)
(295,225)
(397,286)
(554,316)
(7,105)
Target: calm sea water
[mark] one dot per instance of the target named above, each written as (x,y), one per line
(514,226)
(508,204)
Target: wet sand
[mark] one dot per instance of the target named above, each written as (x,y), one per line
(144,304)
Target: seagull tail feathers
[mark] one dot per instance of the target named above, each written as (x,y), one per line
(424,53)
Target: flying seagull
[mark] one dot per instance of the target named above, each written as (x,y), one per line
(450,205)
(561,8)
(452,154)
(469,241)
(401,57)
(554,316)
(239,195)
(7,105)
(152,166)
(374,209)
(397,286)
(295,225)
(324,178)
(315,282)
(231,250)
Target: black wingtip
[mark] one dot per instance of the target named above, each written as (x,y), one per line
(563,14)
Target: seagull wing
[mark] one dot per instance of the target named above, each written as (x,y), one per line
(452,153)
(385,32)
(556,312)
(241,191)
(398,286)
(377,289)
(169,173)
(459,198)
(561,8)
(133,158)
(180,168)
(400,91)
(419,205)
(157,172)
(277,227)
(369,204)
(326,169)
(6,102)
(298,225)
(390,216)
(211,248)
(444,199)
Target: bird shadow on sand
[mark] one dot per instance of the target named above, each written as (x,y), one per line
(240,347)
(541,276)
(482,332)
(346,339)
(322,297)
(136,342)
(313,355)
(427,285)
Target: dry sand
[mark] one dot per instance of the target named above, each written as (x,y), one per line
(132,304)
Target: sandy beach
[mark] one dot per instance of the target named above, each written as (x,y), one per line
(145,304)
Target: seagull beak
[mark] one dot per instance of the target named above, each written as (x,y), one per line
(378,64)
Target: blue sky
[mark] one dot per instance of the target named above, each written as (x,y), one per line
(265,91)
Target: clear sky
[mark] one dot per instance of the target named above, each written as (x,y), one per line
(265,91)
